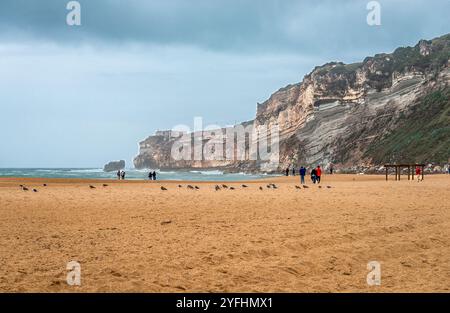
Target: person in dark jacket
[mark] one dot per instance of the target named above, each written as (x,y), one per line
(313,175)
(302,173)
(287,171)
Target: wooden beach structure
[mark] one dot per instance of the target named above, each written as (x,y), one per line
(398,170)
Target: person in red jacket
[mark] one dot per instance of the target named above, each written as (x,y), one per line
(418,172)
(318,173)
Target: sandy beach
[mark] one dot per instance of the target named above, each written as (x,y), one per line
(134,237)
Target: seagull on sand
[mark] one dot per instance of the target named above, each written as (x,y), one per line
(163,188)
(197,187)
(35,190)
(260,188)
(190,187)
(179,186)
(328,186)
(225,186)
(298,187)
(244,186)
(105,185)
(45,185)
(304,186)
(24,188)
(217,187)
(92,187)
(231,188)
(269,186)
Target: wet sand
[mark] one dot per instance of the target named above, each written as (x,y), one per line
(134,237)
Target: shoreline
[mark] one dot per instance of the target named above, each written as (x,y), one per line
(5,179)
(64,180)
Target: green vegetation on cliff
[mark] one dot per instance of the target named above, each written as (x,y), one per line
(421,135)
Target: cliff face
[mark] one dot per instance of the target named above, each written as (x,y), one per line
(343,113)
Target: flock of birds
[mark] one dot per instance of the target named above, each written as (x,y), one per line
(216,187)
(25,188)
(225,187)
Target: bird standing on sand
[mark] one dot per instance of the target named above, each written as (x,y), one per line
(217,188)
(231,188)
(105,185)
(244,186)
(298,187)
(197,187)
(328,186)
(269,186)
(304,186)
(24,188)
(45,185)
(225,186)
(260,188)
(92,187)
(163,188)
(179,186)
(190,187)
(35,190)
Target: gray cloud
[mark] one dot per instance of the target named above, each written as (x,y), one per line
(255,26)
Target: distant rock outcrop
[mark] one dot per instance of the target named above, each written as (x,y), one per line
(388,108)
(114,166)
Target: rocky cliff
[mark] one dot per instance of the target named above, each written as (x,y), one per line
(114,166)
(390,107)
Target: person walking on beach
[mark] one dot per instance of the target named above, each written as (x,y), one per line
(302,175)
(122,174)
(313,175)
(293,171)
(318,174)
(287,171)
(154,175)
(150,175)
(118,174)
(418,172)
(331,169)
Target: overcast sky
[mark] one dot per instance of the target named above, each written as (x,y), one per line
(80,96)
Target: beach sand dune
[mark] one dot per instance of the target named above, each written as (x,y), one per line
(133,236)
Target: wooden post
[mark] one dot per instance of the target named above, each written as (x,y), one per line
(409,172)
(423,167)
(413,171)
(386,173)
(396,172)
(399,172)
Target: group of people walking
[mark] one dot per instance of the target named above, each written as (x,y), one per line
(316,173)
(121,175)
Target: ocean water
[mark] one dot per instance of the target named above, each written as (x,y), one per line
(132,174)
